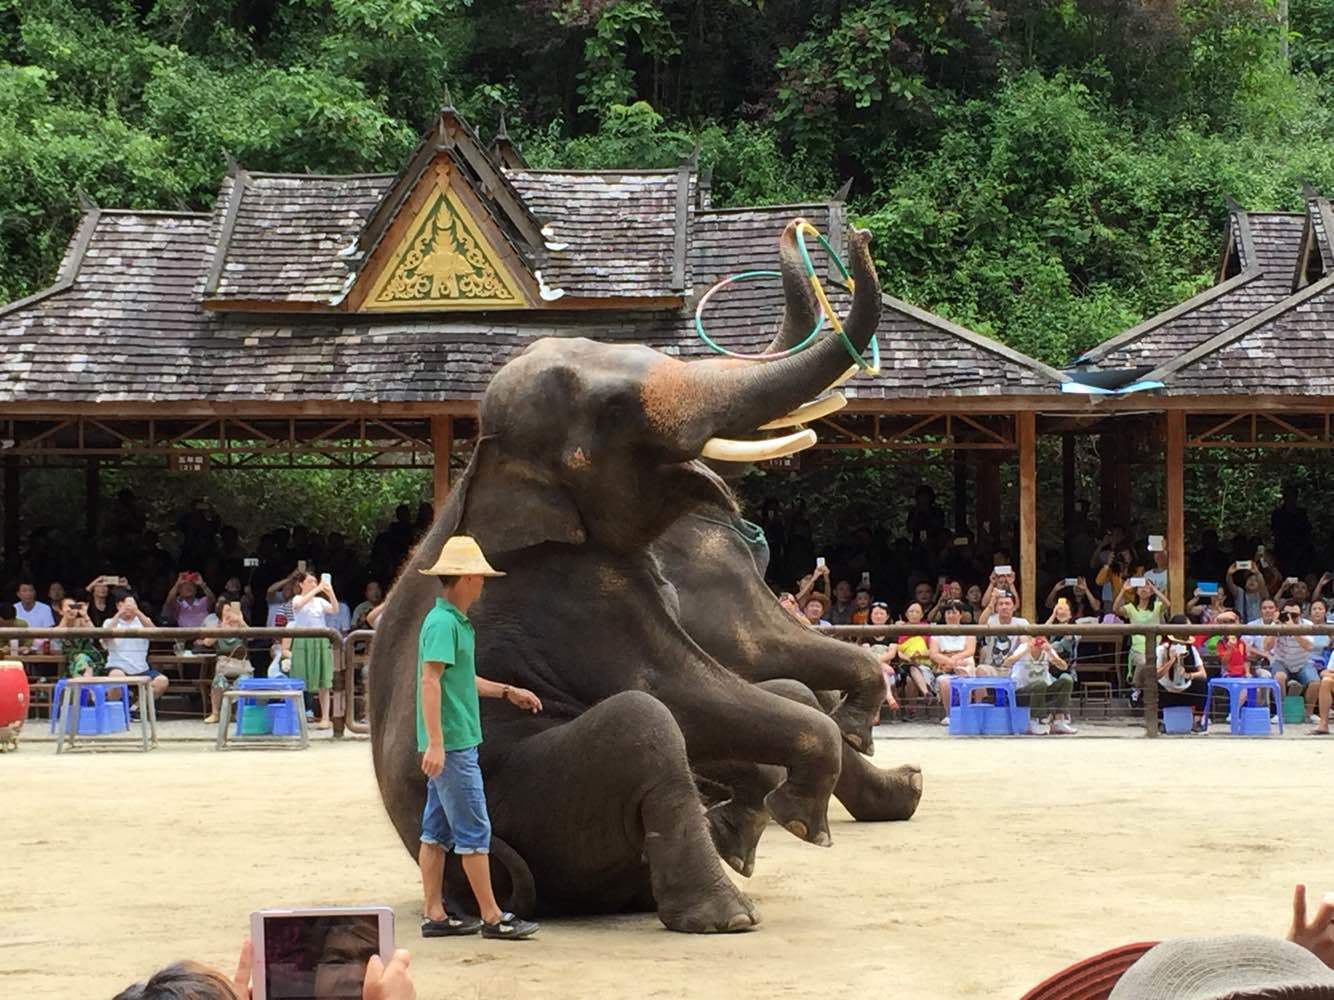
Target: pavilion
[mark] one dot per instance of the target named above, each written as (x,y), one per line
(355,321)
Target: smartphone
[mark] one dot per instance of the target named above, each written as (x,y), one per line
(326,578)
(250,561)
(319,953)
(1071,581)
(1259,550)
(1206,589)
(866,579)
(819,562)
(1156,543)
(1137,581)
(961,541)
(1003,570)
(1290,580)
(301,565)
(1245,564)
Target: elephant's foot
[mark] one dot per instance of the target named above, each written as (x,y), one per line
(736,832)
(873,795)
(805,817)
(721,909)
(855,718)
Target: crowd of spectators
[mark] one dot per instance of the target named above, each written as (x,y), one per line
(935,576)
(211,579)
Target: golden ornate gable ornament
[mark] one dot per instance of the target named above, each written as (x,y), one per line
(443,261)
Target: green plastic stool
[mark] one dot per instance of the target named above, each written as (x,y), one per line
(1294,708)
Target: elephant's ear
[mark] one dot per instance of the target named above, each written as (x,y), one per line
(512,504)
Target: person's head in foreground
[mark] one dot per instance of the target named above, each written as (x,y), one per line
(1231,967)
(195,981)
(462,570)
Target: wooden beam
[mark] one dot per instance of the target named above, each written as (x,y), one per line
(960,491)
(1026,427)
(442,446)
(1175,474)
(988,497)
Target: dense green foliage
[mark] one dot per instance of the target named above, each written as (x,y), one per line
(1046,171)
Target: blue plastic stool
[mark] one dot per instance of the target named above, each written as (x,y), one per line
(1236,686)
(967,719)
(93,714)
(1251,722)
(1178,719)
(279,717)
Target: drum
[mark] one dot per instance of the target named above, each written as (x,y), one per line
(13,694)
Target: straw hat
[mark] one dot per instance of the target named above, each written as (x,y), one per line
(1230,967)
(461,556)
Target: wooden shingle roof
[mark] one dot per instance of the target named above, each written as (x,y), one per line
(1264,247)
(130,327)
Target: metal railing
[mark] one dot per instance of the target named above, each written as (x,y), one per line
(347,659)
(1099,631)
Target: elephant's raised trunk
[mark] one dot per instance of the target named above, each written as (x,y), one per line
(738,397)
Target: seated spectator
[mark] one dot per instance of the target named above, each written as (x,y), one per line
(1064,646)
(34,613)
(1080,601)
(128,657)
(815,607)
(1207,606)
(923,593)
(1142,605)
(233,660)
(1295,590)
(1256,643)
(1035,686)
(951,655)
(816,580)
(234,591)
(1157,573)
(189,602)
(1121,565)
(1181,673)
(861,606)
(1250,593)
(947,591)
(374,595)
(55,594)
(100,605)
(997,649)
(786,599)
(997,583)
(279,596)
(840,611)
(9,619)
(83,656)
(884,649)
(1324,700)
(1233,652)
(1290,655)
(1319,655)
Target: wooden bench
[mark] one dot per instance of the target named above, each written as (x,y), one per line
(187,680)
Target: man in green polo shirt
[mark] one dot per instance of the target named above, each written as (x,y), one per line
(449,730)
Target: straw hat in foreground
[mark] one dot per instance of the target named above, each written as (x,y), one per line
(461,556)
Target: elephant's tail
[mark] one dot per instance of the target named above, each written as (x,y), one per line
(510,876)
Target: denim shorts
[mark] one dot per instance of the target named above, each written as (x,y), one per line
(455,816)
(1306,674)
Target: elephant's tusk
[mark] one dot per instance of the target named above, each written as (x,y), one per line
(729,450)
(844,377)
(813,410)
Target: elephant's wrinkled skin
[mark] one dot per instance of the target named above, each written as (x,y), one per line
(717,569)
(587,453)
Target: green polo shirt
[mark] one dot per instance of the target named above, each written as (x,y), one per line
(447,637)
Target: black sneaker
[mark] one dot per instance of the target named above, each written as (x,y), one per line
(450,927)
(510,928)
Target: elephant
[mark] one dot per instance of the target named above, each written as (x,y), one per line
(716,563)
(586,454)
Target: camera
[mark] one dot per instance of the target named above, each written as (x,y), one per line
(1289,618)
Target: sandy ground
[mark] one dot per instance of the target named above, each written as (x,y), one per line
(1025,855)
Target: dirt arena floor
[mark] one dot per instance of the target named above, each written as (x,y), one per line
(1025,855)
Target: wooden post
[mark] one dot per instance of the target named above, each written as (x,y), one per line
(92,495)
(1067,491)
(12,514)
(960,491)
(988,497)
(1176,508)
(442,446)
(1026,432)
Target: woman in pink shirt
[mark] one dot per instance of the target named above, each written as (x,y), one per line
(186,606)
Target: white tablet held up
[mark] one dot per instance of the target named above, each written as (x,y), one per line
(318,953)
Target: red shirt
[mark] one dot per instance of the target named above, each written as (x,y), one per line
(1232,654)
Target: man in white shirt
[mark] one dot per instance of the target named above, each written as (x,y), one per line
(999,647)
(128,657)
(33,611)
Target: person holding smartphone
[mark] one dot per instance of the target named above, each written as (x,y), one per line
(1181,674)
(83,657)
(312,658)
(189,602)
(1139,603)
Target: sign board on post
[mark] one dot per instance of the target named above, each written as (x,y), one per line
(187,462)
